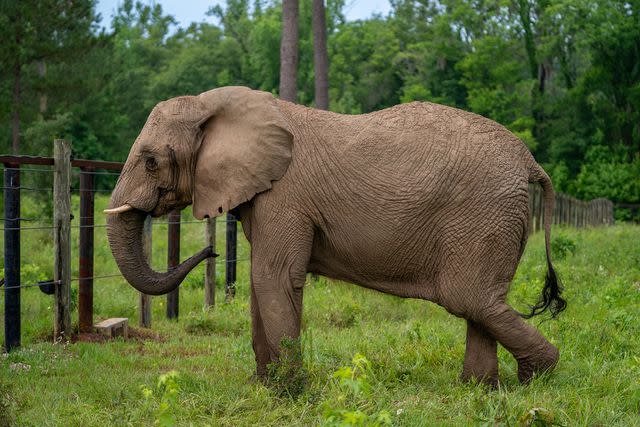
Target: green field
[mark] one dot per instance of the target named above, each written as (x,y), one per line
(407,374)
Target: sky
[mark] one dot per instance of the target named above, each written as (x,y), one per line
(187,11)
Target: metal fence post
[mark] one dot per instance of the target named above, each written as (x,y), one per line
(230,270)
(173,260)
(62,237)
(11,257)
(145,300)
(210,269)
(85,283)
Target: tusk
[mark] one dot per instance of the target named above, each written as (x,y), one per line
(124,208)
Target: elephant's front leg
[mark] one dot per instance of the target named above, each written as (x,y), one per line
(276,315)
(279,260)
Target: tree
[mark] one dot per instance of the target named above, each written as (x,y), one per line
(36,32)
(289,51)
(320,55)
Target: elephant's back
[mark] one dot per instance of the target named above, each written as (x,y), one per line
(409,153)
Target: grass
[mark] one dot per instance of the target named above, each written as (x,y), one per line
(370,358)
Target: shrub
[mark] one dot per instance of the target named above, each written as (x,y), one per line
(561,246)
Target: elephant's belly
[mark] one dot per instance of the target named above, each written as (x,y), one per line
(384,261)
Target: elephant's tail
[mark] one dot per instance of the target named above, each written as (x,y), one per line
(551,298)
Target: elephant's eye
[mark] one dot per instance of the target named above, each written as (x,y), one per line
(151,164)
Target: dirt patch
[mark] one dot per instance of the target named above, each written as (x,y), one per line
(139,334)
(135,335)
(89,337)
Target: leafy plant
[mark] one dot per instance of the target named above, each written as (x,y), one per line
(562,245)
(538,417)
(166,396)
(351,390)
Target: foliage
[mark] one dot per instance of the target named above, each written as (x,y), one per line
(350,393)
(165,396)
(561,246)
(563,75)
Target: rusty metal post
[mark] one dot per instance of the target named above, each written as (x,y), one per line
(230,270)
(85,283)
(11,257)
(173,260)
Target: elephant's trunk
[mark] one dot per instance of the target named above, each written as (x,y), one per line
(125,231)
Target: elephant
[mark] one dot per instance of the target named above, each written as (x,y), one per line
(418,200)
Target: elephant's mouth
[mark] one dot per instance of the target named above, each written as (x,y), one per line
(168,202)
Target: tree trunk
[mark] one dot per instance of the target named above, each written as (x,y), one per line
(320,56)
(289,51)
(524,11)
(16,108)
(17,69)
(42,73)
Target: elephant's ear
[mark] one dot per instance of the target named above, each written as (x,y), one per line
(246,145)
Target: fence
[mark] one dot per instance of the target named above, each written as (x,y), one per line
(568,210)
(60,285)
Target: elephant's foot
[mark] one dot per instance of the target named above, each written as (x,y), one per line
(544,359)
(481,374)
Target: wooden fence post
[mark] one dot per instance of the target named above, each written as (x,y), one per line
(173,259)
(85,271)
(210,269)
(11,257)
(62,238)
(145,300)
(230,270)
(609,212)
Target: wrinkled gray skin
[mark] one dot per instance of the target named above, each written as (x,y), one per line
(419,201)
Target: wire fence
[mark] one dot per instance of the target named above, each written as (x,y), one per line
(12,229)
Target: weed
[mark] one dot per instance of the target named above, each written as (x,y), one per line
(347,316)
(7,406)
(287,376)
(561,246)
(350,393)
(199,324)
(165,397)
(537,417)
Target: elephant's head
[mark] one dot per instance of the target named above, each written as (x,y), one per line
(215,150)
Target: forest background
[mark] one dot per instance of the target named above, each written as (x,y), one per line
(564,75)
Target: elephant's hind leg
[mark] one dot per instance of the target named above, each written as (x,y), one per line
(532,351)
(481,356)
(473,285)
